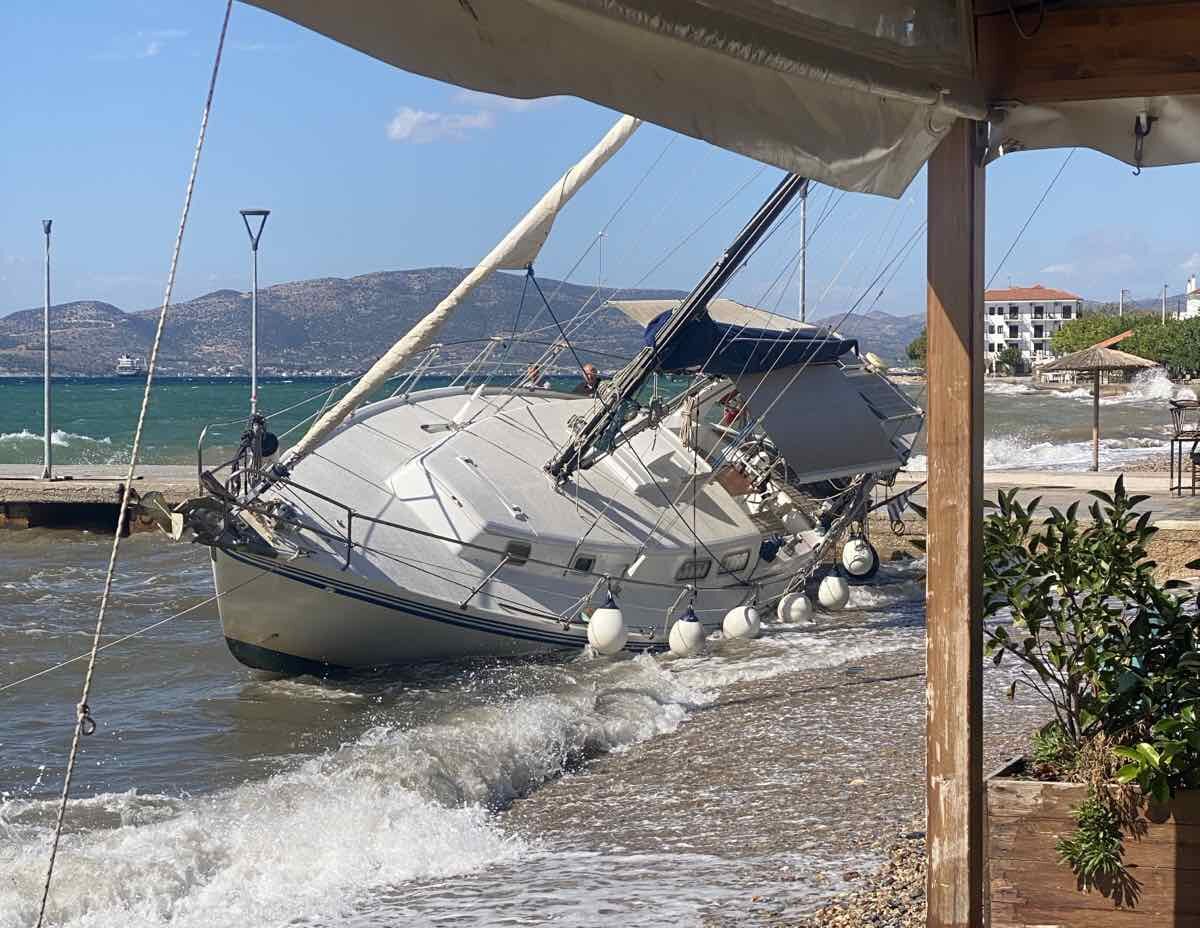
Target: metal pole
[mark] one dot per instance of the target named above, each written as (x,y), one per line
(804,254)
(46,428)
(254,330)
(1121,303)
(255,235)
(1164,305)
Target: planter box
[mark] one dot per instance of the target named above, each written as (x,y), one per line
(1029,888)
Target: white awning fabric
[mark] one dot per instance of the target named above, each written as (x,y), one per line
(854,93)
(643,312)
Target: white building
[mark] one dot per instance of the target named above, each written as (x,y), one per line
(1027,318)
(1192,310)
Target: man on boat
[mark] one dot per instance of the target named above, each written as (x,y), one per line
(591,380)
(534,378)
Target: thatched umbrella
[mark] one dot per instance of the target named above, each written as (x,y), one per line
(1096,359)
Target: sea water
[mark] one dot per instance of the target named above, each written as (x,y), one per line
(464,792)
(1026,427)
(554,789)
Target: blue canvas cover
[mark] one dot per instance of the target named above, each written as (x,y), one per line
(713,347)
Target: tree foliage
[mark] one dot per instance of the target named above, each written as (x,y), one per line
(1009,359)
(918,348)
(1174,344)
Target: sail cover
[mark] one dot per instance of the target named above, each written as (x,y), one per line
(820,422)
(517,249)
(643,312)
(730,349)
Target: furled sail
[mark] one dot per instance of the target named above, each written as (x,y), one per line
(518,249)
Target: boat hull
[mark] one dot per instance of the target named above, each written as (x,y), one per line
(297,617)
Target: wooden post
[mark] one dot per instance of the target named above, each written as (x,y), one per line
(1096,423)
(954,585)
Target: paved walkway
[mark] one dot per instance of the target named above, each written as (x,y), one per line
(1062,489)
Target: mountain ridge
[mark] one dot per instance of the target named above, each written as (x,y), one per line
(340,325)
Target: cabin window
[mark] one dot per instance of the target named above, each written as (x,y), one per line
(694,570)
(735,561)
(584,564)
(518,552)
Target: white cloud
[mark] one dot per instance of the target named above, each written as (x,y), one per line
(1192,263)
(152,49)
(421,127)
(491,101)
(1058,269)
(249,46)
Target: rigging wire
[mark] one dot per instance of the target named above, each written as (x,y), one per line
(1045,193)
(84,723)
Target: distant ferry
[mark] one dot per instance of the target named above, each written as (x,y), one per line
(129,367)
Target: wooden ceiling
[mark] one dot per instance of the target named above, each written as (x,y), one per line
(1086,50)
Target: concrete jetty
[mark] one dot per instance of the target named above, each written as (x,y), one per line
(84,496)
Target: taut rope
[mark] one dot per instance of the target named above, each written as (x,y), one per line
(84,724)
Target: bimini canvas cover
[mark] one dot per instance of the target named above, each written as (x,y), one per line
(820,422)
(710,347)
(643,312)
(854,93)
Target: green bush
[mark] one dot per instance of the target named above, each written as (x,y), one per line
(1113,652)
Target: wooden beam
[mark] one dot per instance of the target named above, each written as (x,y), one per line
(1090,54)
(954,585)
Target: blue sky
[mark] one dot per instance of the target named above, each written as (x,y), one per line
(368,168)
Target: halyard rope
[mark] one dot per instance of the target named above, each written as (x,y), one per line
(84,723)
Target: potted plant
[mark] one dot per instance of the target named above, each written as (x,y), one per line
(1096,826)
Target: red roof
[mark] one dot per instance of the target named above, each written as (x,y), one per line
(1027,294)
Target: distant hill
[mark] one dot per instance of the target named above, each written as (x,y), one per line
(886,335)
(340,325)
(326,325)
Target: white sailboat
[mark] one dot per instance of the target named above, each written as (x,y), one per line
(498,518)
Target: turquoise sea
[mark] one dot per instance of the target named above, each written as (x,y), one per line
(94,419)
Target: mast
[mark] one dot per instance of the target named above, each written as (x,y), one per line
(804,254)
(517,250)
(594,436)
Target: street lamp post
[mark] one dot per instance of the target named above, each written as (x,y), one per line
(46,453)
(247,215)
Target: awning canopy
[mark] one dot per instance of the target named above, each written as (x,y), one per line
(852,93)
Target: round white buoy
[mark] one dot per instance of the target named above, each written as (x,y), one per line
(687,634)
(860,559)
(606,628)
(833,593)
(794,607)
(741,622)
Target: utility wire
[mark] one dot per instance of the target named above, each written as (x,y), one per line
(1045,193)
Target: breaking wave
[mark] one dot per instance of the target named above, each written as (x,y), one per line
(58,438)
(1005,388)
(409,799)
(1009,452)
